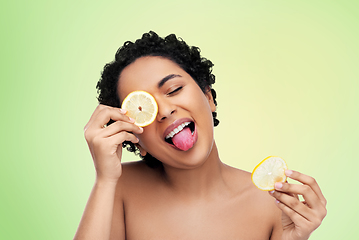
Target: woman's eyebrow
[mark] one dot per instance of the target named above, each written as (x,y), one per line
(165,79)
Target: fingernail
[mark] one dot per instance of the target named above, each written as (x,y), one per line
(271,192)
(277,201)
(278,185)
(131,119)
(288,172)
(141,128)
(123,111)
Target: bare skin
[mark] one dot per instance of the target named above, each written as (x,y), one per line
(194,195)
(229,209)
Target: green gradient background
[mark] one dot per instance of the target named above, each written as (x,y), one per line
(287,82)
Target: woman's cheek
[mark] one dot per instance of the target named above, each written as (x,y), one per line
(147,137)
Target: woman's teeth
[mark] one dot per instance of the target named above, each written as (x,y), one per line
(177,129)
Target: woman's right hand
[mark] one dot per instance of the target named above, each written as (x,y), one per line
(105,142)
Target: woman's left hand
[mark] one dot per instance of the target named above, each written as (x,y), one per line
(300,219)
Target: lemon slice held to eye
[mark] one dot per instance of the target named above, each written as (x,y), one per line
(141,106)
(268,172)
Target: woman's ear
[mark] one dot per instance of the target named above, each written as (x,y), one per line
(209,96)
(142,151)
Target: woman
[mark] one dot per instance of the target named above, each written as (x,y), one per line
(180,189)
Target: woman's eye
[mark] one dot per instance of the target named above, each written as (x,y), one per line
(174,91)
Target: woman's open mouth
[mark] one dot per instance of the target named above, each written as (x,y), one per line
(182,137)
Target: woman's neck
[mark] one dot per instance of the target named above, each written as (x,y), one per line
(198,182)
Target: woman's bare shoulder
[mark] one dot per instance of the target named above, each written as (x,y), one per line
(245,189)
(238,178)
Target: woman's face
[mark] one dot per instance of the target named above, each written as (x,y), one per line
(180,101)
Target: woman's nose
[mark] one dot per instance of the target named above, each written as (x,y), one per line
(165,110)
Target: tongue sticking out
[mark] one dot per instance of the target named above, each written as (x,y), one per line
(183,140)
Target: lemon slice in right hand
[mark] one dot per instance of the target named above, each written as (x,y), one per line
(141,106)
(268,172)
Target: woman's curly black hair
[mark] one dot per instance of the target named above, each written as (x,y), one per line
(170,47)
